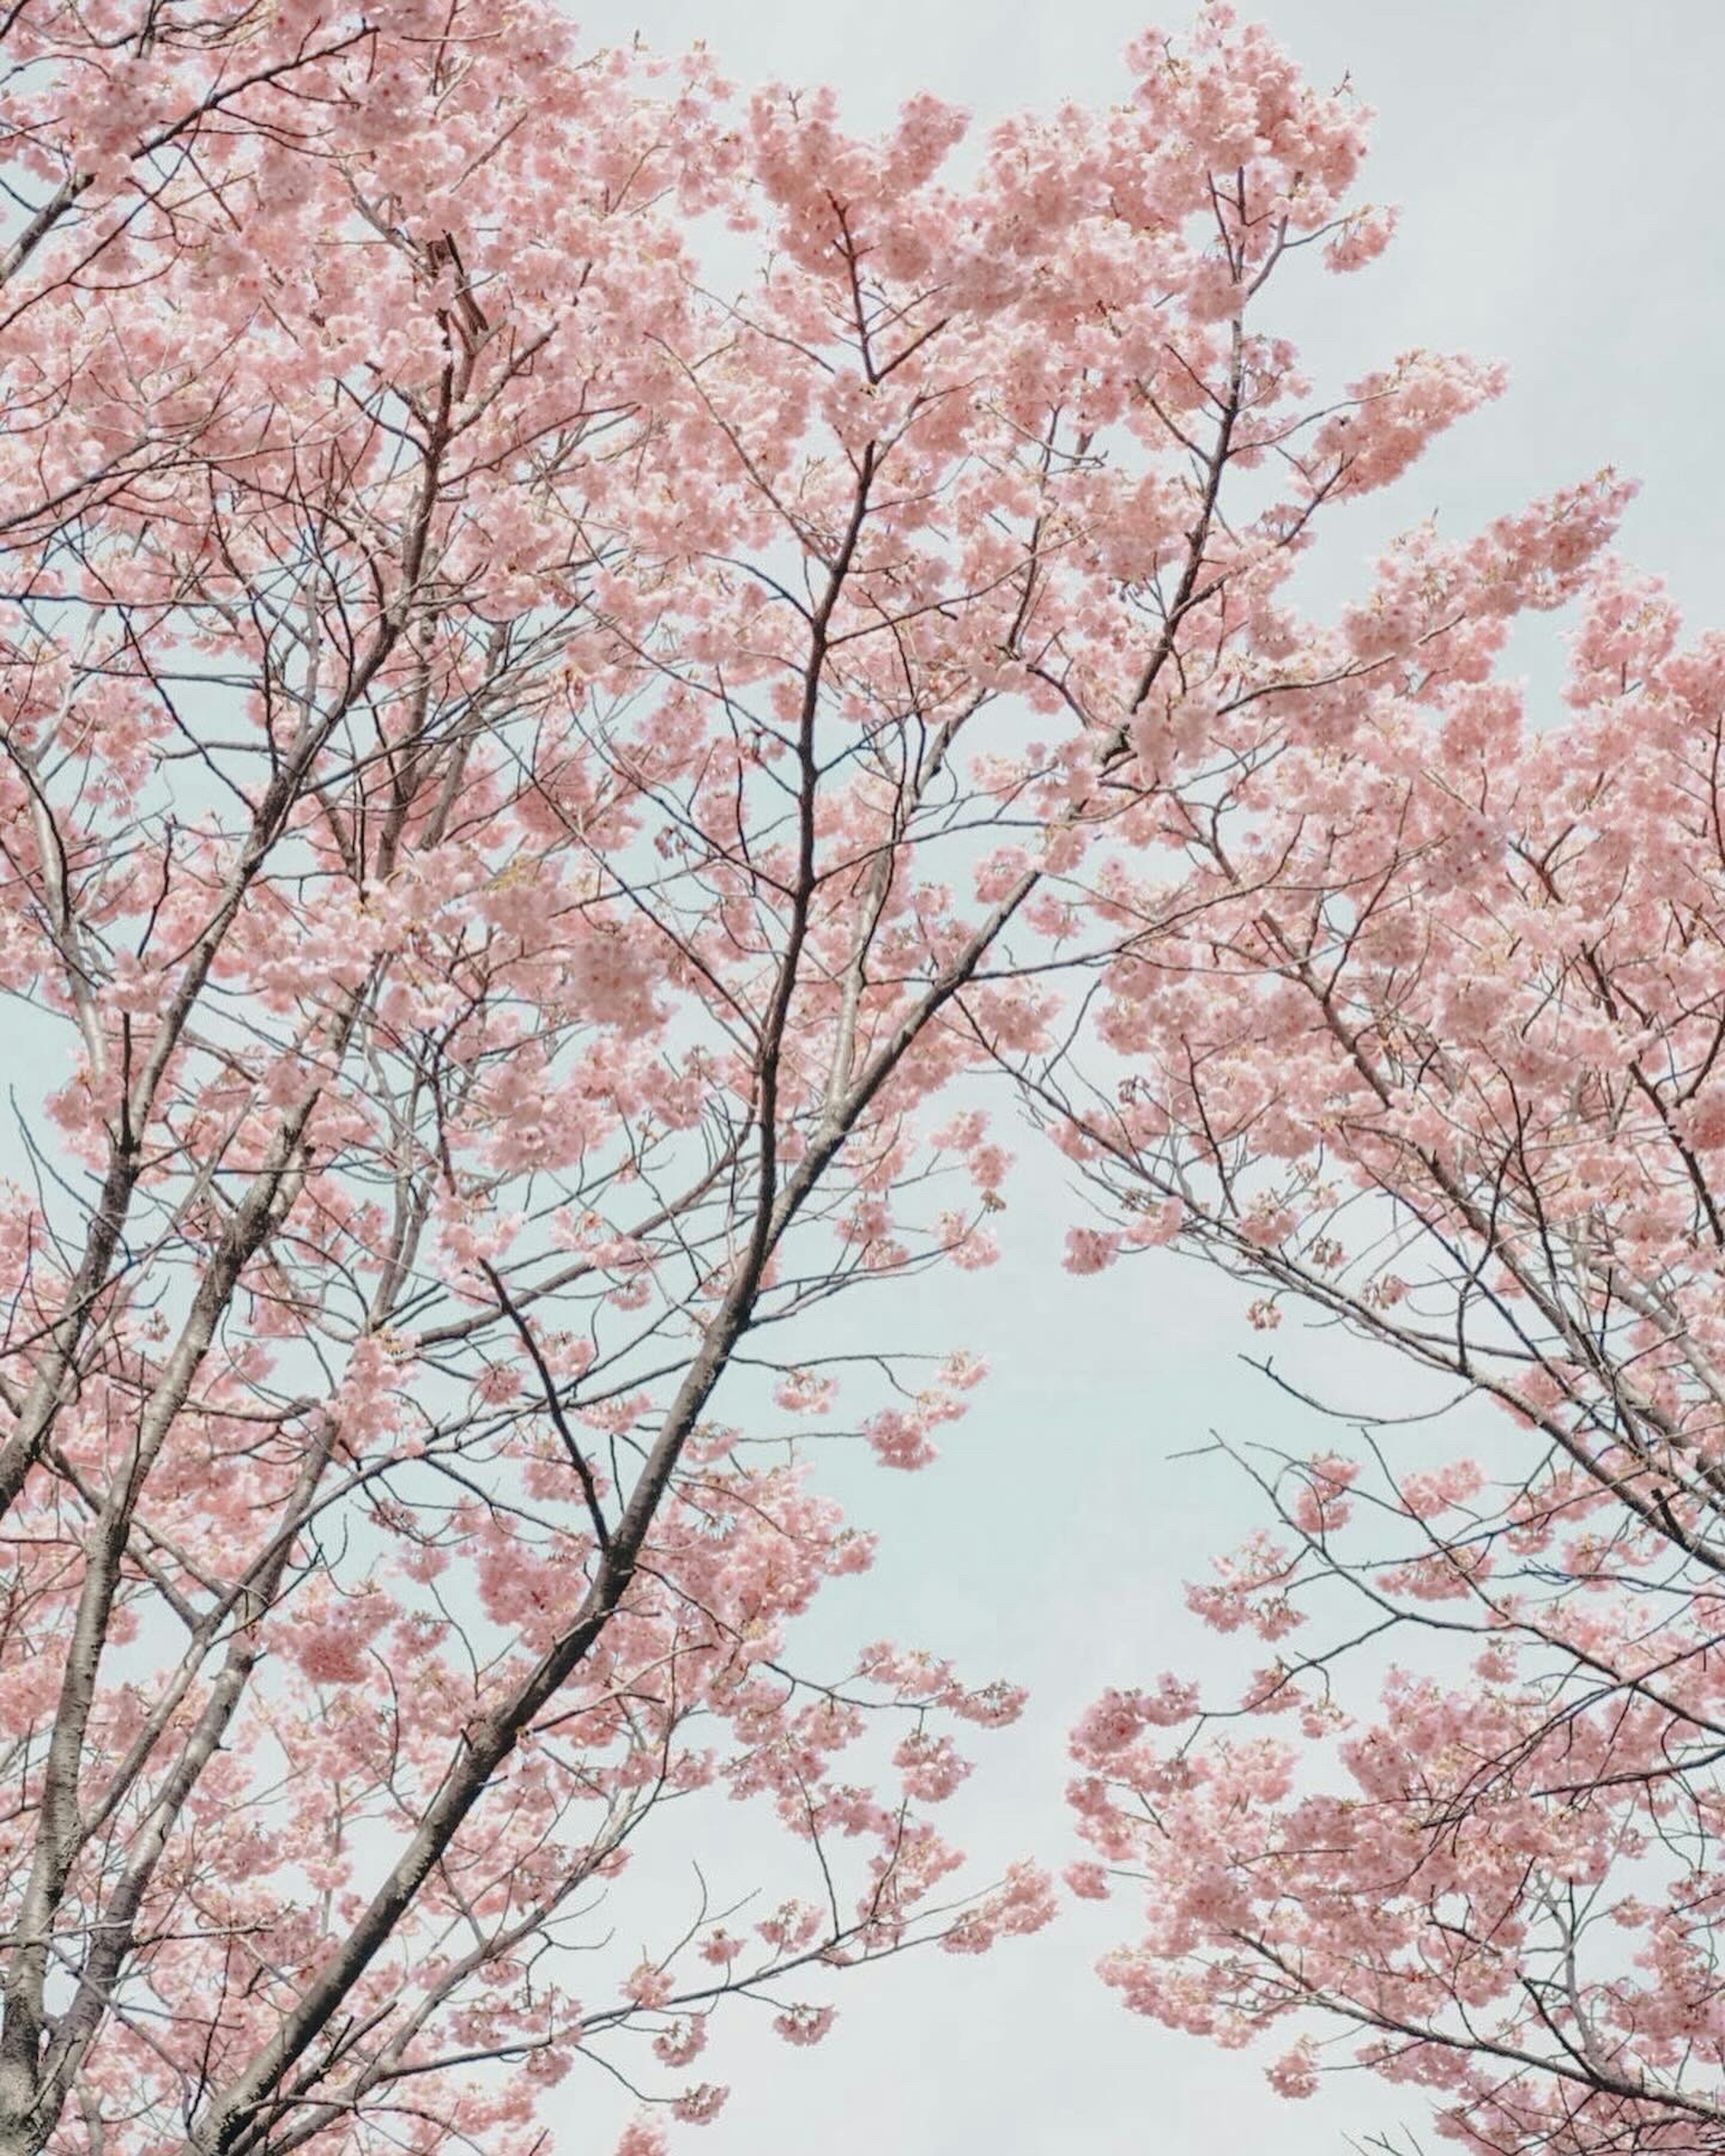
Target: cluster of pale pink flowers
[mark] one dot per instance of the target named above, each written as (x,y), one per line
(1463,1092)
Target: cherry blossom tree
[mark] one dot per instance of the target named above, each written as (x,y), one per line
(1424,1043)
(534,758)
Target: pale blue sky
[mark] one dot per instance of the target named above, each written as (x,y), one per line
(1553,160)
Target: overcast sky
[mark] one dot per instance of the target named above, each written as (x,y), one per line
(1553,160)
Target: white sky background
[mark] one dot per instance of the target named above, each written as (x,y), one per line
(1553,160)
